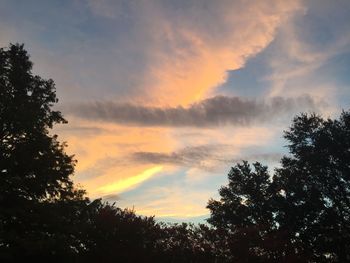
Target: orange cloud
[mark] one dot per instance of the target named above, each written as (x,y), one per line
(187,61)
(128,183)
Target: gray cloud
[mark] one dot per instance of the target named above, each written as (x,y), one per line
(219,110)
(77,130)
(111,197)
(207,157)
(189,156)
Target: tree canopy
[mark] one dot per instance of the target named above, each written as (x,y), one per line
(35,170)
(300,213)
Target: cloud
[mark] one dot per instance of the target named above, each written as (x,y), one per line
(216,111)
(305,46)
(111,197)
(171,201)
(154,52)
(205,157)
(183,156)
(180,51)
(193,49)
(128,183)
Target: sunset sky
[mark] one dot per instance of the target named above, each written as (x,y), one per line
(163,97)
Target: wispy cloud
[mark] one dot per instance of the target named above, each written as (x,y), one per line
(305,44)
(128,183)
(183,49)
(219,110)
(205,157)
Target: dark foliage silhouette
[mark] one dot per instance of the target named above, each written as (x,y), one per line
(243,213)
(302,213)
(312,188)
(113,233)
(37,197)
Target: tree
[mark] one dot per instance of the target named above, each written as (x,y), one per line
(303,212)
(312,188)
(114,234)
(35,183)
(186,243)
(243,213)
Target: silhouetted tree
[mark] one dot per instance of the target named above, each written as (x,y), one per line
(115,234)
(243,213)
(312,189)
(302,214)
(186,243)
(37,198)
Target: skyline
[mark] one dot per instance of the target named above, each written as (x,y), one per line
(163,97)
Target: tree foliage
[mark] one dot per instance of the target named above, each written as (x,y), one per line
(302,212)
(34,165)
(35,183)
(314,209)
(243,212)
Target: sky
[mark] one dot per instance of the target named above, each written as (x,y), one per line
(163,97)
